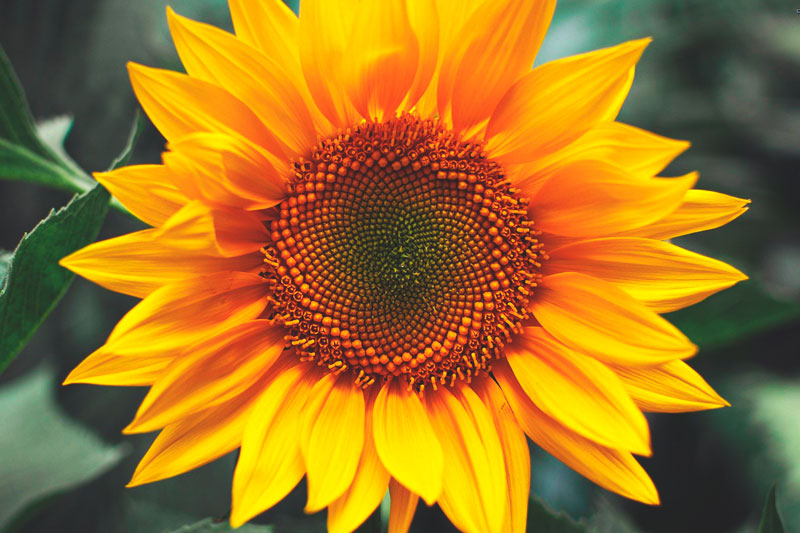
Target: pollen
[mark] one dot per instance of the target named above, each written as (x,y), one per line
(402,252)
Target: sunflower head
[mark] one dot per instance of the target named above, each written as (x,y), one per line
(346,273)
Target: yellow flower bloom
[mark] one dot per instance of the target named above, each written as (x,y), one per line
(384,250)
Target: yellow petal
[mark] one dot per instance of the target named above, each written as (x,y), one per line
(639,152)
(494,48)
(208,373)
(406,442)
(272,27)
(270,464)
(474,490)
(179,105)
(515,454)
(368,488)
(559,101)
(600,320)
(382,58)
(669,388)
(220,169)
(141,262)
(699,211)
(404,504)
(663,276)
(612,469)
(325,29)
(213,55)
(332,438)
(169,320)
(194,441)
(610,200)
(578,391)
(145,190)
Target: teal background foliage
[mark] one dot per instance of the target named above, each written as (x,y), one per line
(723,74)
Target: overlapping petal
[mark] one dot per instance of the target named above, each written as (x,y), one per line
(150,335)
(494,48)
(559,101)
(610,200)
(578,391)
(138,263)
(367,489)
(400,424)
(270,463)
(613,469)
(669,388)
(208,373)
(260,81)
(331,438)
(663,276)
(178,105)
(600,320)
(473,493)
(145,190)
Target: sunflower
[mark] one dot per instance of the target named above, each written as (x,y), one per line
(384,250)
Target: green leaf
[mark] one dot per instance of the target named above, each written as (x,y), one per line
(35,282)
(734,314)
(5,260)
(43,451)
(125,156)
(770,519)
(16,121)
(24,155)
(209,525)
(545,520)
(20,163)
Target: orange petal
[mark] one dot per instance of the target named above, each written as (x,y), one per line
(216,56)
(600,320)
(515,454)
(661,275)
(145,190)
(444,30)
(401,426)
(208,373)
(578,391)
(325,29)
(639,152)
(219,169)
(474,490)
(368,488)
(612,469)
(238,232)
(270,464)
(610,200)
(559,101)
(179,105)
(669,388)
(382,58)
(332,438)
(424,20)
(493,49)
(169,320)
(404,504)
(194,441)
(699,211)
(138,263)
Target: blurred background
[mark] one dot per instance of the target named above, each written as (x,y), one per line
(723,74)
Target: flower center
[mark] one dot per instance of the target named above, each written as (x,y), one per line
(402,251)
